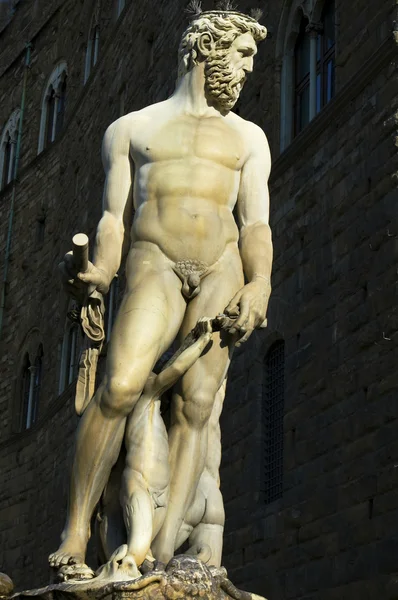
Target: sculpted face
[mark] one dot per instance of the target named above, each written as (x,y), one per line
(226,70)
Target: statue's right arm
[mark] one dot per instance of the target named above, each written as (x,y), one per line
(113,232)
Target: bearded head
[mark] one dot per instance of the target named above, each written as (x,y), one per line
(225,41)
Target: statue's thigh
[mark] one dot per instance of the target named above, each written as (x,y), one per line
(147,322)
(217,290)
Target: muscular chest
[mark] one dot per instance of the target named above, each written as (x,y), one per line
(185,137)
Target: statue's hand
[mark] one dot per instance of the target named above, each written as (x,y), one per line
(203,328)
(249,305)
(78,285)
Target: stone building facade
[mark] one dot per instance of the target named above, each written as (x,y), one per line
(328,419)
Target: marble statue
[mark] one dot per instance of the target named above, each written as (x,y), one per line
(199,246)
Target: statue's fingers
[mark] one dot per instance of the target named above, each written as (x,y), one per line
(67,270)
(243,319)
(69,262)
(87,277)
(232,309)
(244,339)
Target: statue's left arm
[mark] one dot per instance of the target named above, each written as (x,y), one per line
(180,363)
(255,243)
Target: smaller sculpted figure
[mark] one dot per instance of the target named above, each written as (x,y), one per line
(145,484)
(200,245)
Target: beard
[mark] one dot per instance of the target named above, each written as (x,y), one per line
(223,83)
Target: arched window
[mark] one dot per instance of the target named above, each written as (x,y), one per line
(71,347)
(306,46)
(120,4)
(325,87)
(8,145)
(60,106)
(273,413)
(53,107)
(7,162)
(25,391)
(30,389)
(92,47)
(50,120)
(38,371)
(302,79)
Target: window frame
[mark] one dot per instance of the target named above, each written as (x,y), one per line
(300,86)
(71,350)
(92,48)
(9,140)
(294,13)
(120,6)
(52,119)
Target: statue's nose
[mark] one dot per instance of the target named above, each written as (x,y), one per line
(248,66)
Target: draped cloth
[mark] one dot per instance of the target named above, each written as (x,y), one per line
(92,322)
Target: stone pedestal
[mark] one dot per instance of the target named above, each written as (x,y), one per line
(184,577)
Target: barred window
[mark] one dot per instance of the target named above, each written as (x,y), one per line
(273,412)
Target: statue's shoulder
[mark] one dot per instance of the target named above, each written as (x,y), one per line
(132,123)
(247,128)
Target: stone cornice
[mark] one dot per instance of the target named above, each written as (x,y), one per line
(386,51)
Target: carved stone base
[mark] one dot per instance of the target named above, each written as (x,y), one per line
(185,578)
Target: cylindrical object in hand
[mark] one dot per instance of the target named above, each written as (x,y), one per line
(80,252)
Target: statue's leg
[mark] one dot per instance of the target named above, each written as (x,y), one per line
(138,510)
(192,407)
(192,517)
(147,322)
(146,476)
(208,532)
(111,532)
(204,521)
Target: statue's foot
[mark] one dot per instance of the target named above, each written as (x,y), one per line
(200,551)
(71,552)
(75,572)
(120,567)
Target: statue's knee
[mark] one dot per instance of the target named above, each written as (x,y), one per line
(215,514)
(120,395)
(198,407)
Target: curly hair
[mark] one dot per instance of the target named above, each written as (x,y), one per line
(219,29)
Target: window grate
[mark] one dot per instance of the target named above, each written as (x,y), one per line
(273,412)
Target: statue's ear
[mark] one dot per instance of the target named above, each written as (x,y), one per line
(205,44)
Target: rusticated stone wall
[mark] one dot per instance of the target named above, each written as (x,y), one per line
(332,535)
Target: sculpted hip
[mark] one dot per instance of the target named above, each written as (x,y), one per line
(192,271)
